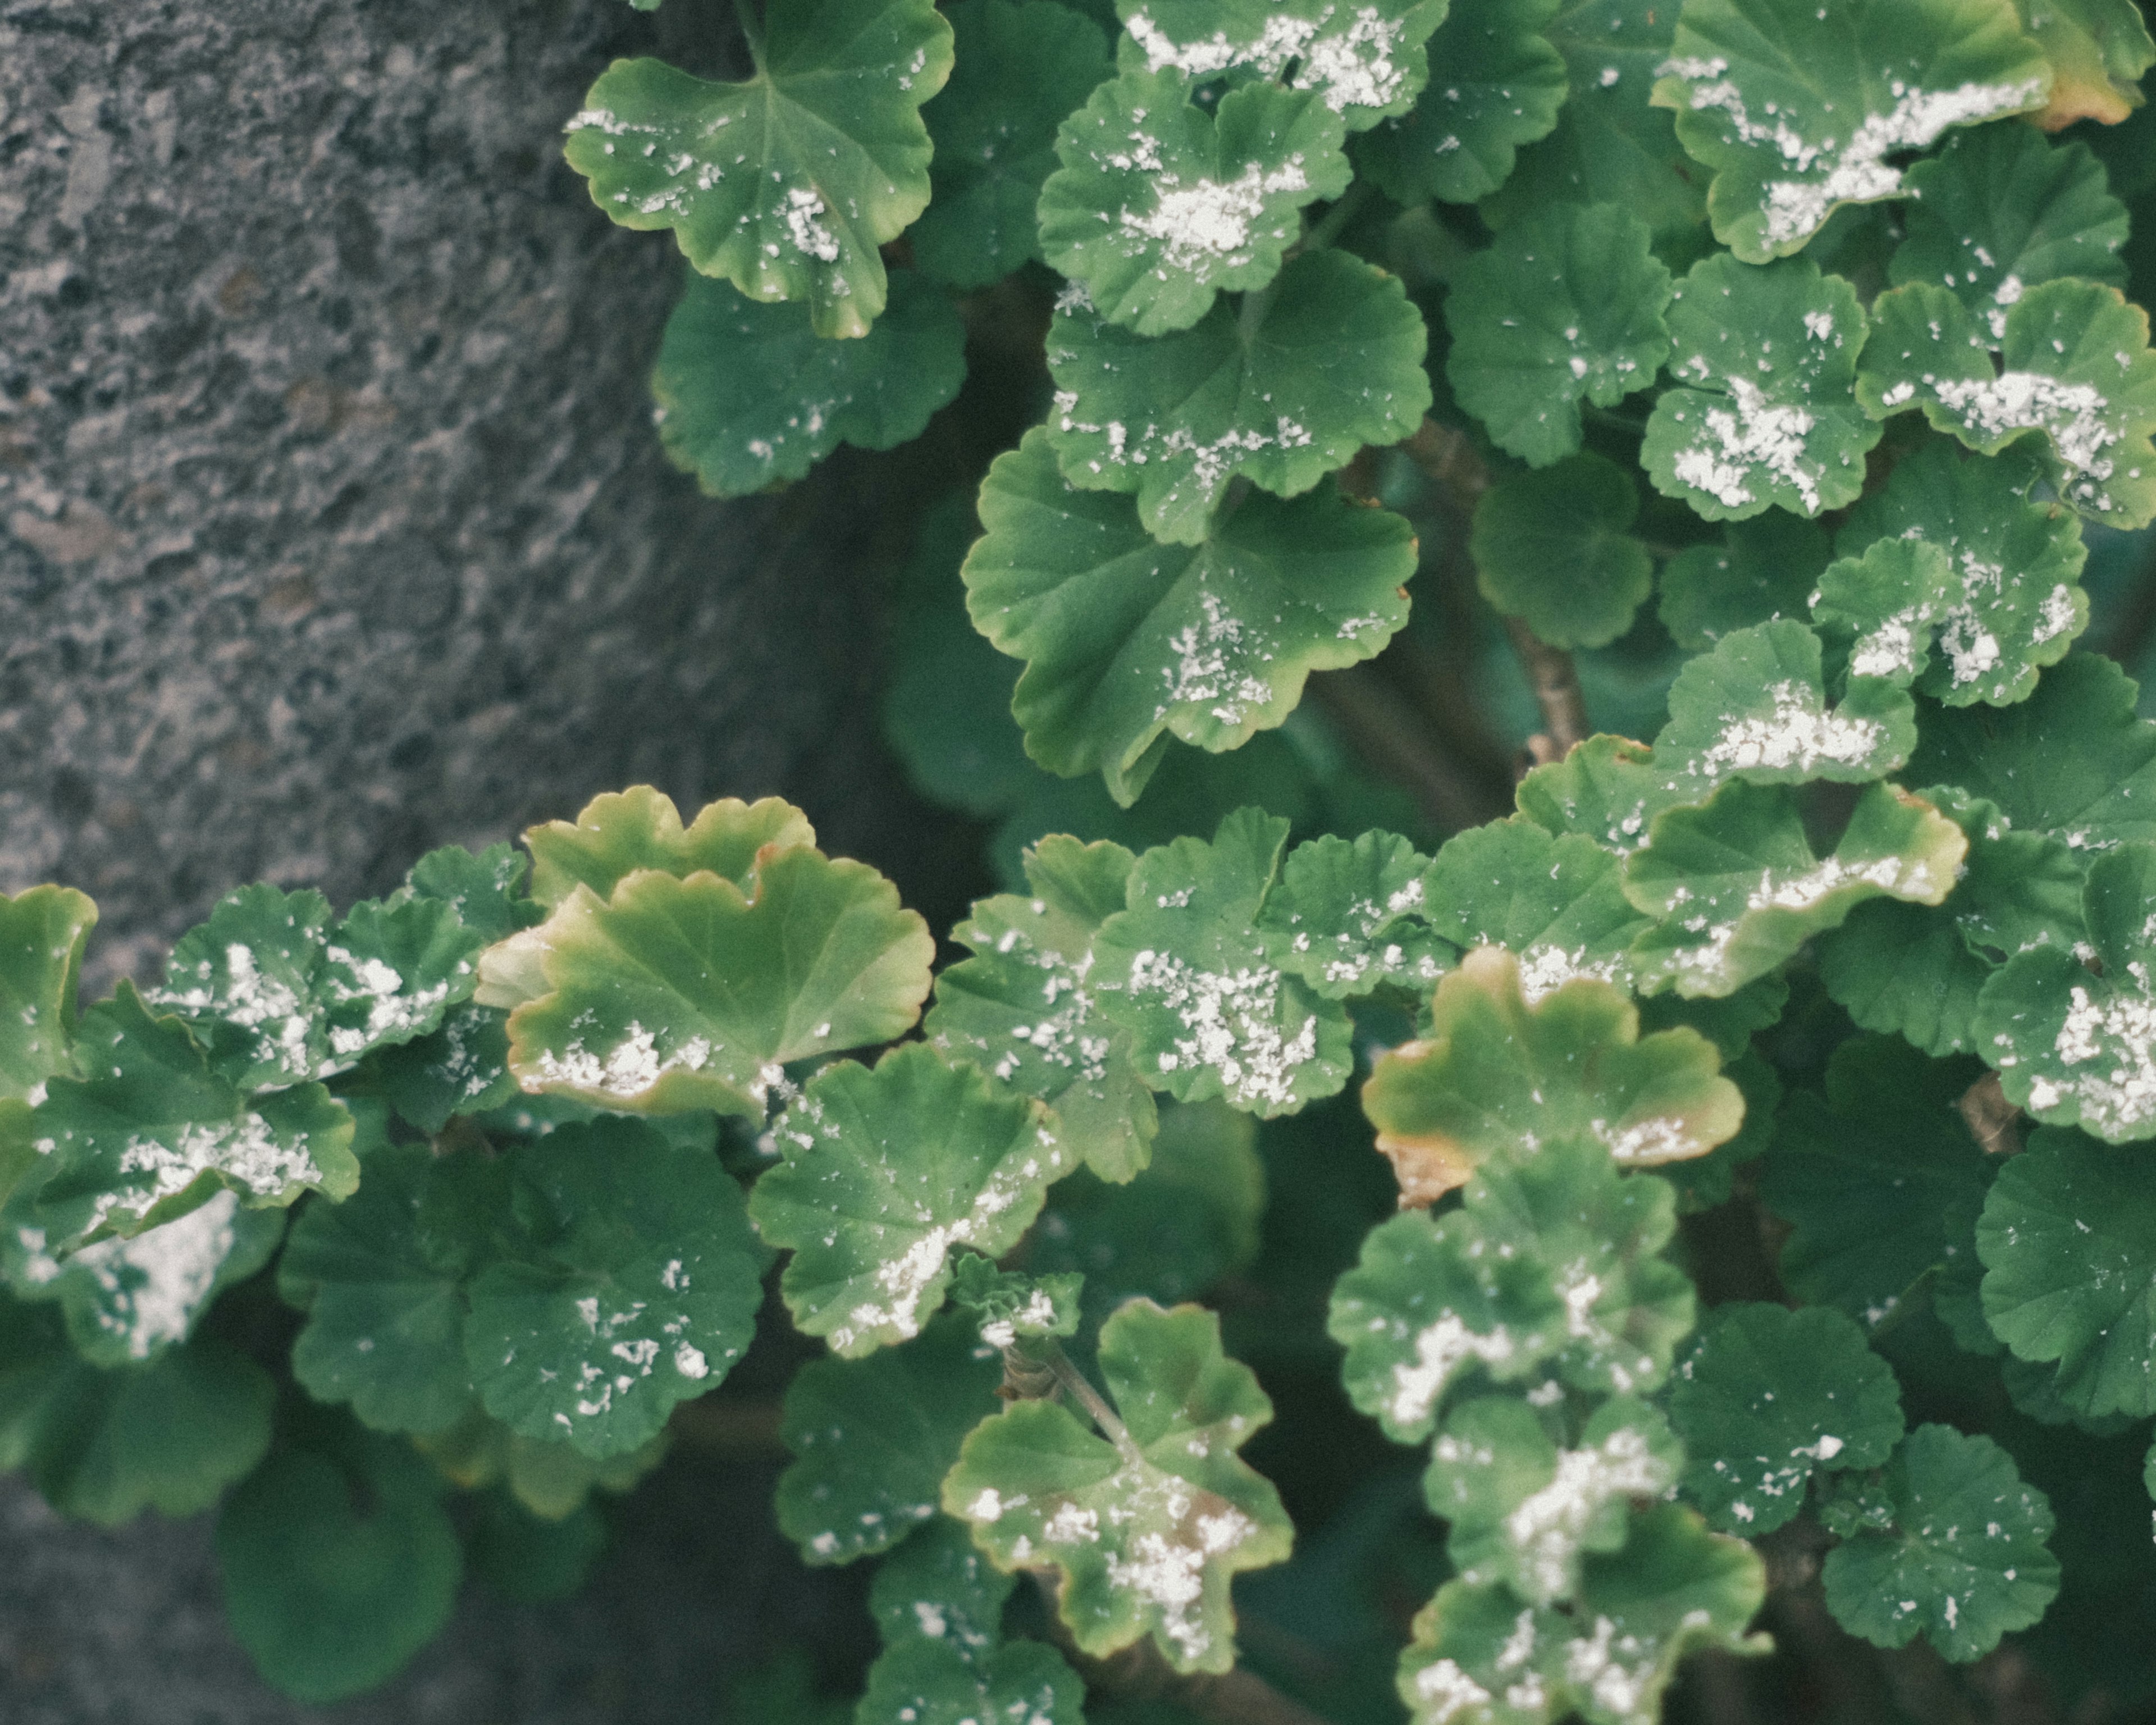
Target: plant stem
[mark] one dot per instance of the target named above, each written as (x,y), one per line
(751,27)
(1073,1381)
(1993,1119)
(1344,211)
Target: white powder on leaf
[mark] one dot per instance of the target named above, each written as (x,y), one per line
(1754,440)
(1234,1022)
(247,1152)
(1208,222)
(1441,1350)
(1798,736)
(1346,56)
(150,1287)
(1545,1532)
(1211,668)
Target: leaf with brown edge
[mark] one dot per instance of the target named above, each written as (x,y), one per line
(1496,1077)
(641,828)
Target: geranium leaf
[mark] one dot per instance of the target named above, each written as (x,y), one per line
(2098,49)
(1741,889)
(462,1068)
(487,889)
(1145,1528)
(1878,1182)
(749,394)
(1998,211)
(2073,365)
(1349,916)
(1608,789)
(1797,108)
(1183,969)
(629,1284)
(1024,1008)
(1568,305)
(1481,1655)
(1766,413)
(2068,1272)
(2016,602)
(1128,641)
(873,1438)
(1965,1560)
(1765,568)
(787,183)
(1768,1396)
(550,1480)
(1525,1512)
(1552,549)
(884,1171)
(937,1586)
(1496,1078)
(2077,1047)
(1885,605)
(620,832)
(1020,67)
(1332,361)
(1007,1304)
(925,1681)
(678,993)
(42,934)
(1159,205)
(1497,84)
(1365,63)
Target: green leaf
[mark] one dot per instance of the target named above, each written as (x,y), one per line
(629,1284)
(42,934)
(1885,606)
(2015,602)
(1364,64)
(1024,1010)
(1568,305)
(1525,1512)
(1496,1078)
(1966,1560)
(156,1132)
(1019,68)
(2073,365)
(939,1587)
(622,831)
(1765,568)
(1183,970)
(528,1558)
(1556,904)
(749,395)
(873,1438)
(2099,50)
(1146,1527)
(884,1171)
(550,1480)
(2074,1047)
(1008,1305)
(337,1568)
(1128,641)
(1159,205)
(680,994)
(1879,1182)
(1498,85)
(1332,360)
(1797,107)
(2069,1275)
(485,890)
(1552,549)
(385,1328)
(1348,917)
(1768,412)
(463,1068)
(1767,1397)
(1608,789)
(1481,1655)
(924,1682)
(1998,211)
(1741,889)
(787,183)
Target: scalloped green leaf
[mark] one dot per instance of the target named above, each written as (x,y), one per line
(1128,641)
(1332,360)
(1557,903)
(1966,1560)
(550,1480)
(2099,51)
(1569,305)
(1608,789)
(1764,569)
(1183,969)
(925,1681)
(1348,917)
(625,1281)
(749,395)
(104,1445)
(2073,367)
(1481,1655)
(1024,1008)
(688,993)
(487,889)
(43,932)
(787,183)
(1525,1512)
(462,1068)
(1494,1078)
(1008,1305)
(1879,1181)
(1147,1526)
(2074,1045)
(1885,607)
(884,1171)
(1496,85)
(1766,1398)
(620,832)
(1799,107)
(1766,412)
(1364,64)
(1740,889)
(1552,549)
(937,1586)
(1019,68)
(873,1438)
(1159,205)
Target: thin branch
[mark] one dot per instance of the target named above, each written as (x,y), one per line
(1452,462)
(1074,1382)
(1388,731)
